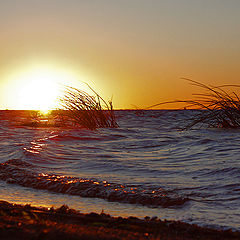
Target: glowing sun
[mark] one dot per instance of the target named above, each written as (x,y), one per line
(39,87)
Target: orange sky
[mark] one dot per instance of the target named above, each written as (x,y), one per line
(134,50)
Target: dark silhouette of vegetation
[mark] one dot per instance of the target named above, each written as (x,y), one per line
(85,110)
(218,107)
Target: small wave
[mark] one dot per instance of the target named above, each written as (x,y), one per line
(13,172)
(74,138)
(219,171)
(18,163)
(88,137)
(204,141)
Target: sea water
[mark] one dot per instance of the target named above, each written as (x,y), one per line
(148,166)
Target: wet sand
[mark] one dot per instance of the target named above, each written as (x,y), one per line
(27,222)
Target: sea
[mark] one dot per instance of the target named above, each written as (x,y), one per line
(149,166)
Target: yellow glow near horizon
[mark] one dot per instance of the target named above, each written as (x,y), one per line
(38,88)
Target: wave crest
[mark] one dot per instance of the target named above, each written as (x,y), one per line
(13,172)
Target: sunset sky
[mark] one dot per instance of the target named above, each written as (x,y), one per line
(134,50)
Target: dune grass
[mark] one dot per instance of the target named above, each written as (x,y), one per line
(218,106)
(85,110)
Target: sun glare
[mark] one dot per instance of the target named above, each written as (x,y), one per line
(38,88)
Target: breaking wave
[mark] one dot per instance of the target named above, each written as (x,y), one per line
(17,172)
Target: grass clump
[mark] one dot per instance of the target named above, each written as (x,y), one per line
(32,118)
(217,105)
(85,110)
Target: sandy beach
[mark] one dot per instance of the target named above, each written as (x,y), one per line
(28,222)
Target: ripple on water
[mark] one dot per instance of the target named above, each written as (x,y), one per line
(146,152)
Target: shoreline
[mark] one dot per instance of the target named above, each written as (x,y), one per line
(28,222)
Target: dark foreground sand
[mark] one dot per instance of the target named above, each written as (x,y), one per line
(26,222)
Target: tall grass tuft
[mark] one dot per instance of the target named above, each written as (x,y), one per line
(85,110)
(217,105)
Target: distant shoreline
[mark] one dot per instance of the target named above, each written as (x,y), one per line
(27,222)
